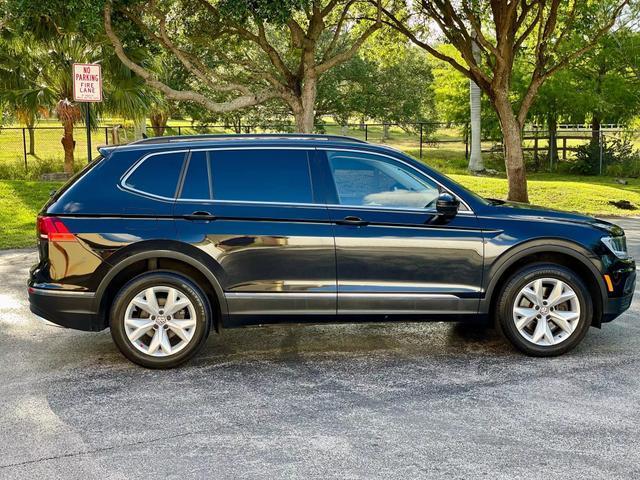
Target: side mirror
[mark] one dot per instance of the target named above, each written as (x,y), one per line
(447,205)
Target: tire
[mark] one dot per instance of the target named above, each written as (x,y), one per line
(575,314)
(167,341)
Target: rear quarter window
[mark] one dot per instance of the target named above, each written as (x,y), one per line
(157,174)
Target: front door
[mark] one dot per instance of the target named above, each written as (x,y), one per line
(393,254)
(253,211)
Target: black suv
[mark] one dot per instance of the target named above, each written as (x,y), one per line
(164,239)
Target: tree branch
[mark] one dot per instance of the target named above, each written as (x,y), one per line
(172,94)
(350,52)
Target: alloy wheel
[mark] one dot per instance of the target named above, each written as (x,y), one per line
(546,311)
(160,321)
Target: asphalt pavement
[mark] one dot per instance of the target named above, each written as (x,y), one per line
(408,401)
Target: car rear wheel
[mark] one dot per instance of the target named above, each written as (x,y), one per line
(160,319)
(545,310)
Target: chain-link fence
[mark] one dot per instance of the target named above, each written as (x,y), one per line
(29,153)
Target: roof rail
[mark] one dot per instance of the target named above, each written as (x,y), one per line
(246,136)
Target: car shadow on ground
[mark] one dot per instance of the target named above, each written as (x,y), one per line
(289,342)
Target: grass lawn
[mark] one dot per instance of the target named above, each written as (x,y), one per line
(589,195)
(20,201)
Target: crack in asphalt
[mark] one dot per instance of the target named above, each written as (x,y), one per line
(102,449)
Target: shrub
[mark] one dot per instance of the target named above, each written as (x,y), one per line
(618,158)
(15,170)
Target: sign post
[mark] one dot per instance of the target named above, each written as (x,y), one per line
(87,88)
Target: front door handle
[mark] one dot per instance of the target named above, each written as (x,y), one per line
(351,220)
(200,215)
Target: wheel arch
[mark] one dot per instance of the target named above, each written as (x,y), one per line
(568,254)
(153,255)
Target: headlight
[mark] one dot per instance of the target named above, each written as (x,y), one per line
(617,245)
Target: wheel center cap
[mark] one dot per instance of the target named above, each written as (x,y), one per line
(161,320)
(544,310)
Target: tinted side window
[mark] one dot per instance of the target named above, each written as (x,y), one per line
(261,175)
(196,184)
(158,174)
(369,180)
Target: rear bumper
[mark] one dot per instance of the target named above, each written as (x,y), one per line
(68,309)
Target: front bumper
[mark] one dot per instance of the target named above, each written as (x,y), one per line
(68,309)
(615,306)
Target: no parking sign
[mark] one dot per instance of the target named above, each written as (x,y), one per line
(87,82)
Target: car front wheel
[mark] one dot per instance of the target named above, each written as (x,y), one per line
(545,310)
(160,319)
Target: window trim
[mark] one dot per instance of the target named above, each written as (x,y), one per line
(468,211)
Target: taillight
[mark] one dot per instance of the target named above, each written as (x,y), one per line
(52,229)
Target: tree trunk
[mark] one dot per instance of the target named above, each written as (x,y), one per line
(552,125)
(140,129)
(595,128)
(304,109)
(68,144)
(159,122)
(513,153)
(475,100)
(385,132)
(32,140)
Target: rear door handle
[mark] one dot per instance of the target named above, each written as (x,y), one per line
(200,215)
(351,220)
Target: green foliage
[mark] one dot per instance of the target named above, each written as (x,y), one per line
(603,85)
(277,12)
(47,19)
(396,88)
(618,158)
(451,96)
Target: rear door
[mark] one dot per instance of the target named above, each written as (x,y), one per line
(393,254)
(254,211)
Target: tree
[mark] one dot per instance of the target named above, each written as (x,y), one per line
(17,66)
(607,73)
(38,80)
(385,82)
(553,33)
(243,53)
(601,87)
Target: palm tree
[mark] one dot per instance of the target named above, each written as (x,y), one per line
(27,102)
(36,78)
(476,164)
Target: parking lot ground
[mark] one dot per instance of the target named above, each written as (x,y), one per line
(406,400)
